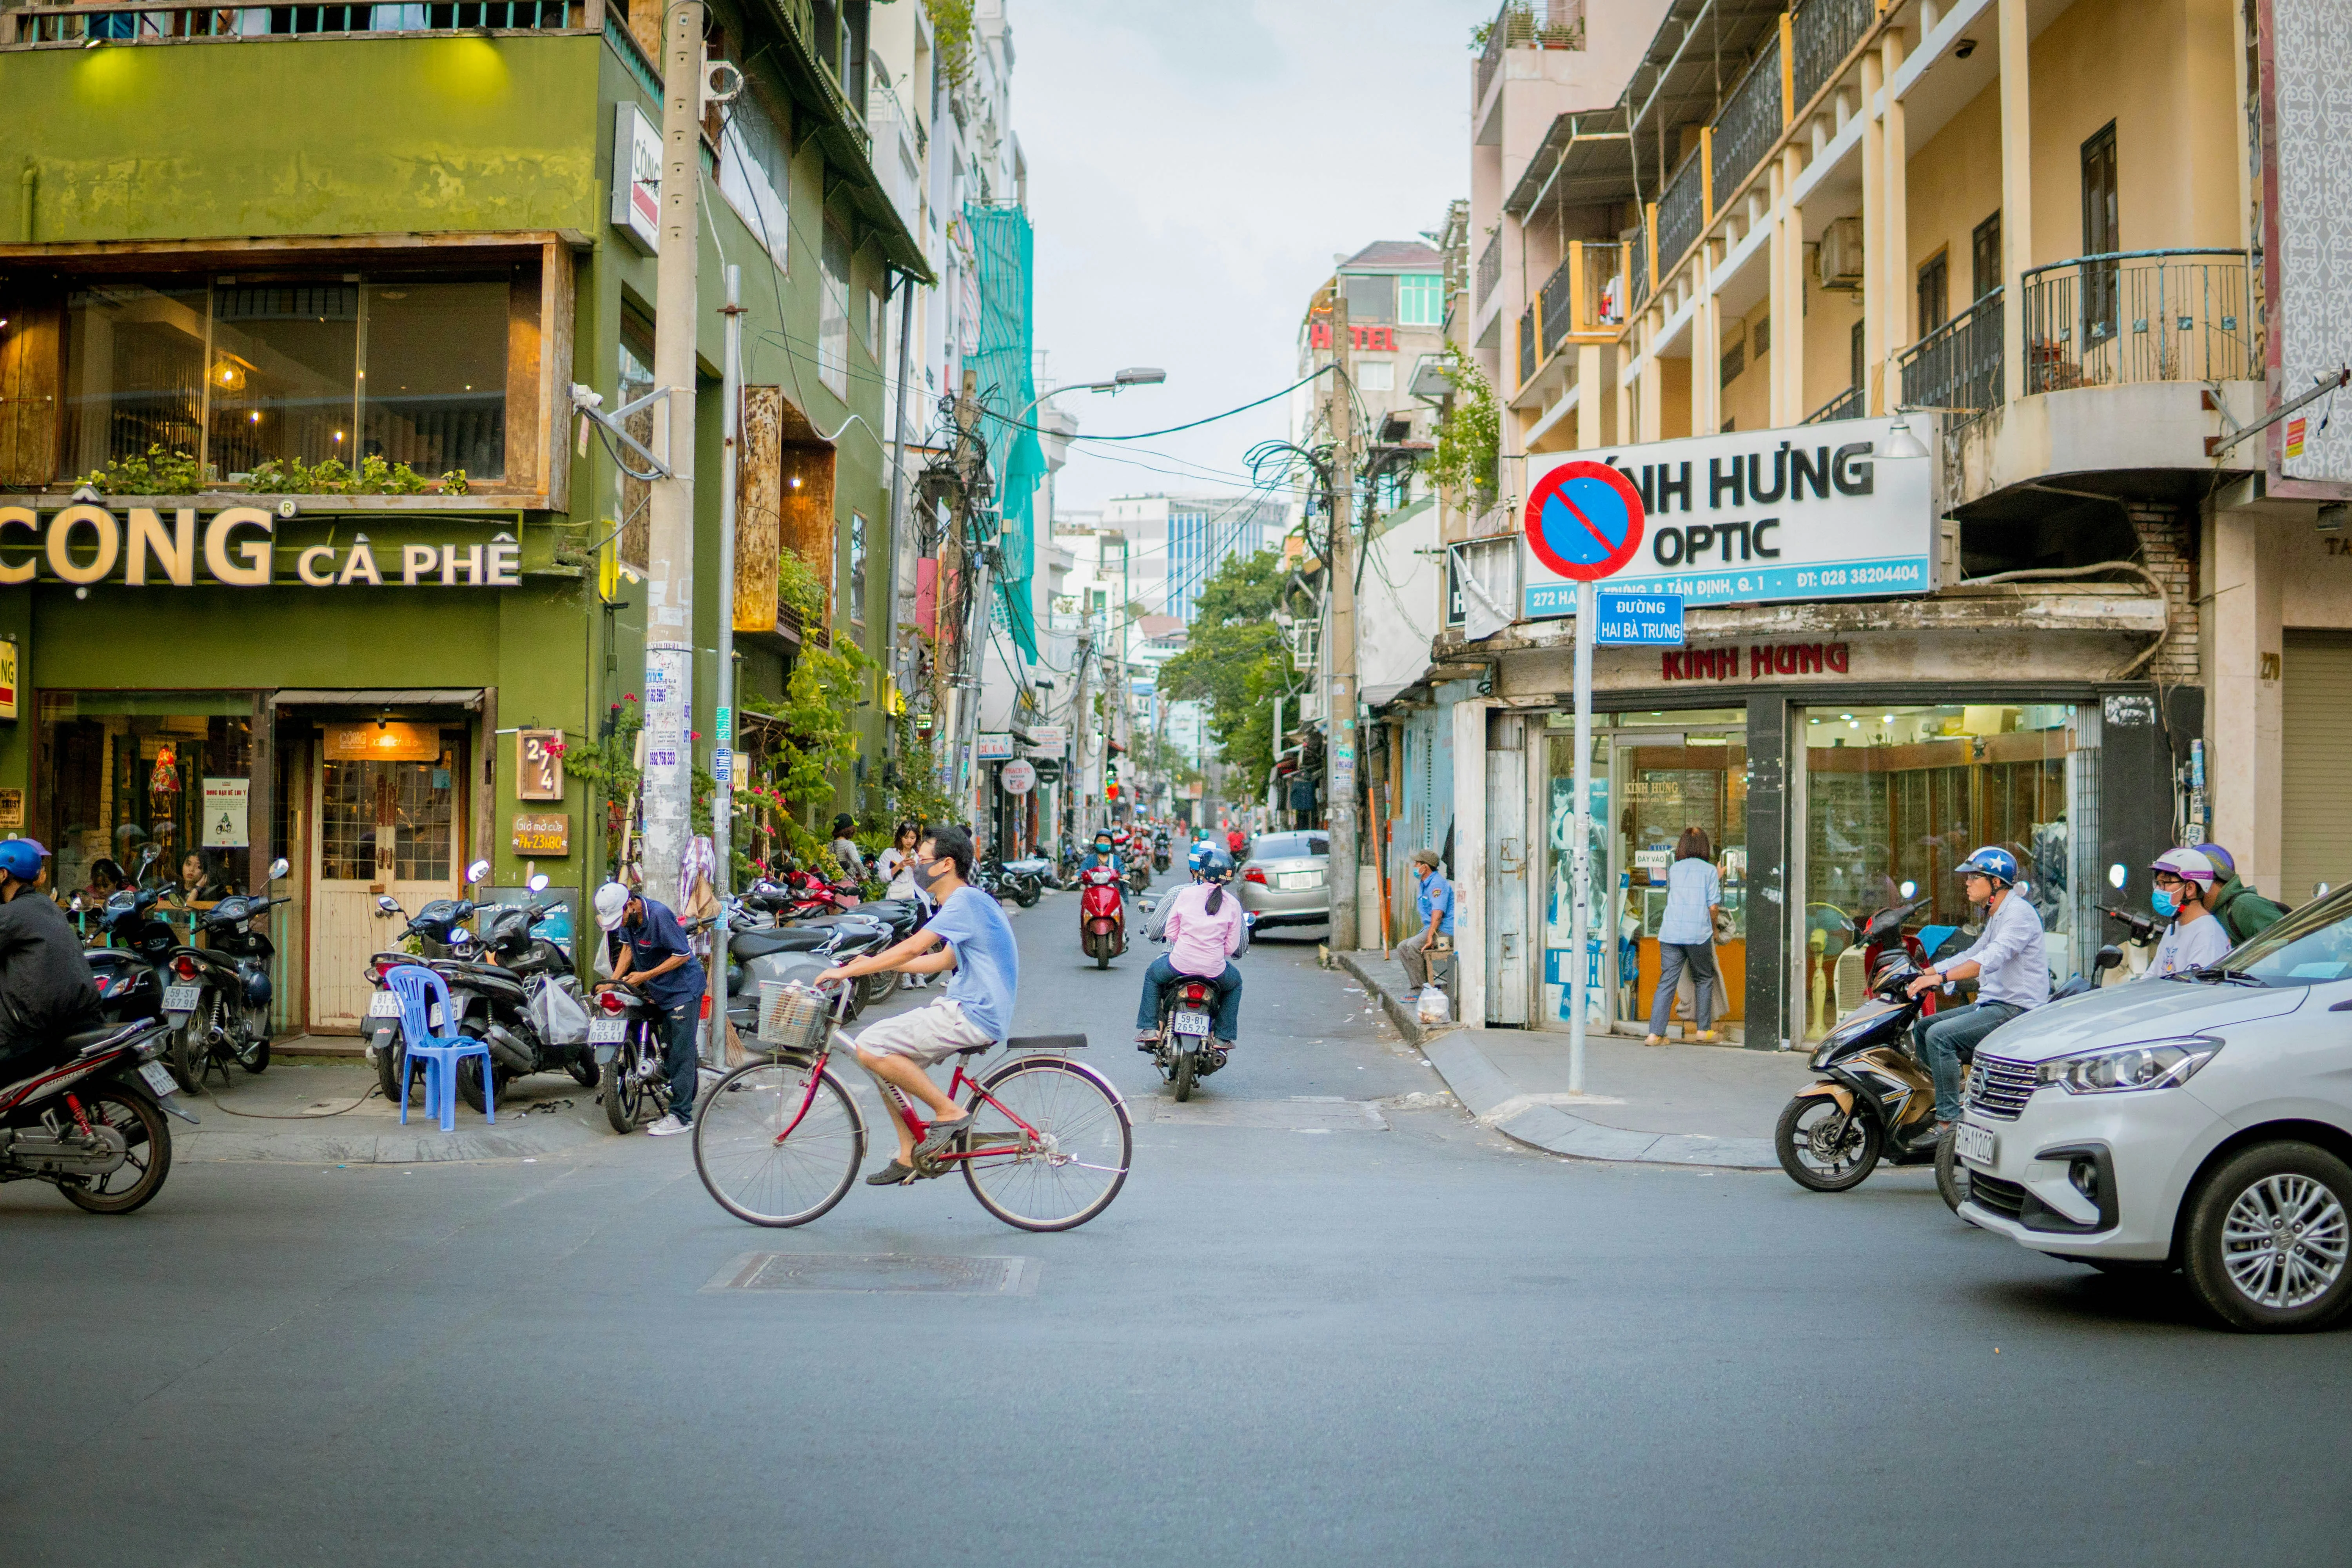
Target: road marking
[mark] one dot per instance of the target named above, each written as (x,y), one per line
(892,1272)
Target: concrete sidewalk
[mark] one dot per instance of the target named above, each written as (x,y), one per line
(1675,1104)
(324,1112)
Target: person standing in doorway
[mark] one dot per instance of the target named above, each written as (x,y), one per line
(1435,899)
(1686,935)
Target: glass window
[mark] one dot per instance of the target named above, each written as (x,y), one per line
(833,314)
(1372,300)
(1289,846)
(1895,797)
(284,374)
(1421,300)
(1375,375)
(433,391)
(856,567)
(755,175)
(635,541)
(134,370)
(121,788)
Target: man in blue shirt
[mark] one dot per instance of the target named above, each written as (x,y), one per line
(652,955)
(970,936)
(1434,899)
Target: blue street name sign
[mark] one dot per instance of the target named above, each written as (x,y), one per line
(1637,620)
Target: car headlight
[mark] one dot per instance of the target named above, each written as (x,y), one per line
(2159,1064)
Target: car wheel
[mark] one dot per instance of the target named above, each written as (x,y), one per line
(2269,1242)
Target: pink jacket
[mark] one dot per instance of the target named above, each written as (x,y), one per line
(1197,941)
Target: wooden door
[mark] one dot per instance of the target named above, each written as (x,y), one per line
(381,827)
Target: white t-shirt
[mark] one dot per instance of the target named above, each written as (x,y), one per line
(2185,945)
(897,869)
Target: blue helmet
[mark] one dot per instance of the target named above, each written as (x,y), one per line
(1990,861)
(21,859)
(1211,864)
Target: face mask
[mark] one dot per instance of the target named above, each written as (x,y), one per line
(2165,904)
(930,881)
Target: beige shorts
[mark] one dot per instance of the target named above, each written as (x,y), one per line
(928,1036)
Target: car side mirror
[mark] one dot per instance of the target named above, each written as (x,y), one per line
(278,869)
(2107,957)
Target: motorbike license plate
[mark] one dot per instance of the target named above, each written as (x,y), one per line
(608,1031)
(1977,1145)
(383,1005)
(182,998)
(1292,881)
(1192,1023)
(158,1077)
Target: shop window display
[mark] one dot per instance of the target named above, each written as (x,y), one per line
(1895,797)
(122,786)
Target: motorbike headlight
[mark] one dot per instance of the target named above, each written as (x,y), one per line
(2159,1064)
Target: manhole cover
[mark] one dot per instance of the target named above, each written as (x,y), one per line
(887,1271)
(1303,1114)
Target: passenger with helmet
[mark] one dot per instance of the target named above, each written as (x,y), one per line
(2196,938)
(651,955)
(2009,964)
(47,991)
(1204,928)
(2243,912)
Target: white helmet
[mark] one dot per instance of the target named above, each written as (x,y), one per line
(611,903)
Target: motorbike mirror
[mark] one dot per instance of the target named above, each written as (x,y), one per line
(386,904)
(1909,889)
(2107,957)
(2117,876)
(537,884)
(278,869)
(478,871)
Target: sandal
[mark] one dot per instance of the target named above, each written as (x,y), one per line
(943,1134)
(894,1174)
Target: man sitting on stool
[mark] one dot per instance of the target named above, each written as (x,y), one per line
(1434,899)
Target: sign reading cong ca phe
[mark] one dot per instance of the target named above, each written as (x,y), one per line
(1815,512)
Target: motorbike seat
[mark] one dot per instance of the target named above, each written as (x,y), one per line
(783,939)
(979,1049)
(82,1042)
(1045,1043)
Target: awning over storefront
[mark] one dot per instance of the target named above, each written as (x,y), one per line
(401,696)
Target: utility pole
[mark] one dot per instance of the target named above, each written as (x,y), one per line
(902,587)
(669,592)
(1340,638)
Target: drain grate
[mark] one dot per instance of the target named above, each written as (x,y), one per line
(898,1273)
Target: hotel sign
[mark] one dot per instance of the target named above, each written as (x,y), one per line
(236,547)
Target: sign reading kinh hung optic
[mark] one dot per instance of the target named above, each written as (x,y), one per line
(1816,512)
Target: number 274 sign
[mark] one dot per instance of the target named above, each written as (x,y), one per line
(539,773)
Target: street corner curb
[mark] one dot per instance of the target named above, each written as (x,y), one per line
(530,1138)
(1398,1007)
(1496,1100)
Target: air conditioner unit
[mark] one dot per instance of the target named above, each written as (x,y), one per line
(1840,254)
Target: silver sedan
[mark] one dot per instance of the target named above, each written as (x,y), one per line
(1285,879)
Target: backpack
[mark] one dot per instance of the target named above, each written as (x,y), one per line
(2246,913)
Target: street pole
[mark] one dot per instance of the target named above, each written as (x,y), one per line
(1579,857)
(669,591)
(902,588)
(1339,638)
(722,768)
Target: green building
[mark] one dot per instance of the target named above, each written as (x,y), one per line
(296,251)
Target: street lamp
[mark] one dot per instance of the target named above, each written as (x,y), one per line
(1133,375)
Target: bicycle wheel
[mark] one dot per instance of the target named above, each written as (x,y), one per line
(774,1148)
(1050,1143)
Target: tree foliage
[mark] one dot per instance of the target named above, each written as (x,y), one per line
(1235,663)
(1469,436)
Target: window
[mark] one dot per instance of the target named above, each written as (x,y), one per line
(1735,355)
(1984,257)
(1375,375)
(1372,300)
(857,568)
(873,324)
(240,369)
(2101,234)
(1854,354)
(833,314)
(755,174)
(1935,292)
(1421,300)
(635,541)
(1761,333)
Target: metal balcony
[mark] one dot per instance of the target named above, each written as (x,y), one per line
(1490,269)
(2138,316)
(1749,122)
(1846,404)
(1682,212)
(140,23)
(1821,35)
(1958,366)
(1528,24)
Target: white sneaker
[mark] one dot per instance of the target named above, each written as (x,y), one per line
(667,1125)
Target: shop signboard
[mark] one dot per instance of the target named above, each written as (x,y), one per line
(1637,620)
(7,679)
(545,833)
(1048,741)
(995,747)
(12,811)
(1018,778)
(382,740)
(233,547)
(225,818)
(637,187)
(539,774)
(1752,517)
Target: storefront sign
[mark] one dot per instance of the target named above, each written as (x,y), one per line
(1637,620)
(8,679)
(382,741)
(637,178)
(1048,741)
(85,545)
(539,774)
(545,833)
(1761,659)
(225,819)
(11,810)
(995,747)
(1816,512)
(1018,778)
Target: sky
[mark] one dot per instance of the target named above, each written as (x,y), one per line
(1193,167)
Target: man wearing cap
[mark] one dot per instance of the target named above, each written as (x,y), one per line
(651,953)
(47,991)
(2196,938)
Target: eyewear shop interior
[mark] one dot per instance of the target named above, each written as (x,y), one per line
(168,788)
(1882,804)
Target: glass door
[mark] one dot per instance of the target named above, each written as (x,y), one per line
(382,827)
(1679,793)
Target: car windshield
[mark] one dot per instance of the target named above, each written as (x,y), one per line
(2310,946)
(1289,846)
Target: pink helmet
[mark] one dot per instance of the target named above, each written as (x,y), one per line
(2189,865)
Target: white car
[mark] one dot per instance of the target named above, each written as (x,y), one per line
(2202,1122)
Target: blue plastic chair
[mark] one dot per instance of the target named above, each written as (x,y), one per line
(417,987)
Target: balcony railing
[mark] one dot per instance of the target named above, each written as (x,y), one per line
(1490,269)
(2136,316)
(1638,267)
(1846,404)
(1595,307)
(1527,346)
(1821,35)
(135,24)
(1682,212)
(1529,24)
(1958,366)
(1749,123)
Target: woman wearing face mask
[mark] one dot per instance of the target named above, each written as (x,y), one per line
(2184,892)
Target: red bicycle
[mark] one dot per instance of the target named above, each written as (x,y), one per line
(779,1141)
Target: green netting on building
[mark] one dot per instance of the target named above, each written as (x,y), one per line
(1003,245)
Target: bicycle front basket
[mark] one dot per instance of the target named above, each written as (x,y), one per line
(794,1016)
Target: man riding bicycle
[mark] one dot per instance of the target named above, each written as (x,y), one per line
(970,935)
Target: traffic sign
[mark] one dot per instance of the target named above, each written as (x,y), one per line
(1623,619)
(1584,520)
(1018,778)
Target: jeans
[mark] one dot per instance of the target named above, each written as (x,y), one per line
(680,1024)
(1229,997)
(1937,1042)
(1672,957)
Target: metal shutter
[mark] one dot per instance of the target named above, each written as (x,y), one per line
(2317,769)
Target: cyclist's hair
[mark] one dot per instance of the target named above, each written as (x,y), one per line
(956,844)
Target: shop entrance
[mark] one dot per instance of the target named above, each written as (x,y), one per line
(385,825)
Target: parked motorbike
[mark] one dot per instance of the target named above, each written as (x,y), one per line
(1102,916)
(216,996)
(1021,880)
(92,1126)
(759,956)
(1186,1053)
(626,1047)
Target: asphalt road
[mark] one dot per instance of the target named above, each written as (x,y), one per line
(1295,1338)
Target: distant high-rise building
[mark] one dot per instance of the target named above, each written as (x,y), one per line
(1177,542)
